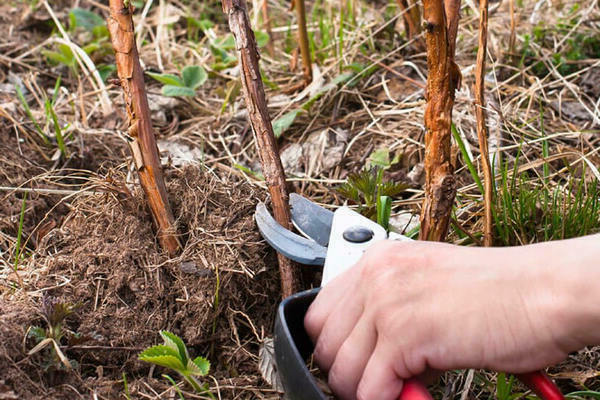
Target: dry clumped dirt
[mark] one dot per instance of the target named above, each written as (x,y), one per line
(104,256)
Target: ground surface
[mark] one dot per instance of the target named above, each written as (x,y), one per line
(87,240)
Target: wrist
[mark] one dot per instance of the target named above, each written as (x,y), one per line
(570,274)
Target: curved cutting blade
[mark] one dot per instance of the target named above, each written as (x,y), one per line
(311,219)
(289,244)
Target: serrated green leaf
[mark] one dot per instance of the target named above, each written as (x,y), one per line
(176,91)
(166,361)
(167,79)
(199,366)
(282,123)
(194,76)
(36,333)
(158,350)
(175,342)
(85,19)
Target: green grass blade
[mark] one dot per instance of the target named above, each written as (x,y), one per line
(174,384)
(25,105)
(467,159)
(57,130)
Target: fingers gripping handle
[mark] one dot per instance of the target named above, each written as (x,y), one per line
(413,389)
(541,385)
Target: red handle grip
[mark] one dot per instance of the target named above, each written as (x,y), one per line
(539,382)
(541,385)
(413,389)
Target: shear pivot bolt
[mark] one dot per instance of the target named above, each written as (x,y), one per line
(358,234)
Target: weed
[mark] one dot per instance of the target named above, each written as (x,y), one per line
(29,114)
(18,250)
(366,188)
(192,77)
(54,312)
(527,213)
(173,354)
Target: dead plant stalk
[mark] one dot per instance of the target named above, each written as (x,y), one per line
(258,113)
(482,132)
(443,78)
(303,40)
(142,141)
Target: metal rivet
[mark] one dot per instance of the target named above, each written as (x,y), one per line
(358,234)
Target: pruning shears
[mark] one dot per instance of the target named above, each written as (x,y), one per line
(335,240)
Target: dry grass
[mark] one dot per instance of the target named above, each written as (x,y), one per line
(537,107)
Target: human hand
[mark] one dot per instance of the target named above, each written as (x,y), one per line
(408,308)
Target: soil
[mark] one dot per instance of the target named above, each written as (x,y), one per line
(219,296)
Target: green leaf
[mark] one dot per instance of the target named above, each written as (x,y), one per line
(158,350)
(381,158)
(167,79)
(226,43)
(343,78)
(194,76)
(262,38)
(57,130)
(85,19)
(100,32)
(36,333)
(384,210)
(282,123)
(199,366)
(106,70)
(176,91)
(166,361)
(173,341)
(164,356)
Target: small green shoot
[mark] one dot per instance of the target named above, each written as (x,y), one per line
(528,213)
(466,157)
(18,250)
(57,129)
(25,105)
(126,387)
(173,354)
(504,387)
(384,211)
(174,385)
(192,77)
(366,187)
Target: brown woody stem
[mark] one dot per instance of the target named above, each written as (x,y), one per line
(411,14)
(443,78)
(482,132)
(263,130)
(303,39)
(142,141)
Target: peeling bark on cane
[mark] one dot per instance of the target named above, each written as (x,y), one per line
(442,81)
(263,130)
(142,141)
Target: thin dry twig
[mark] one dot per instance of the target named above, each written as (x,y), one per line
(141,135)
(303,41)
(482,132)
(258,113)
